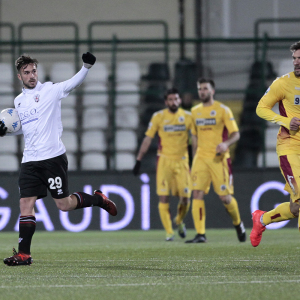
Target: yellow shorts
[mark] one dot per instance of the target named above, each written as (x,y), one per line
(173,176)
(217,170)
(290,168)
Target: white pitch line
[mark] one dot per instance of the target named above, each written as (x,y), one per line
(146,284)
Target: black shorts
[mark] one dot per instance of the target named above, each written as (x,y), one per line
(38,176)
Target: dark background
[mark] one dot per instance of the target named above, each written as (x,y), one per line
(245,182)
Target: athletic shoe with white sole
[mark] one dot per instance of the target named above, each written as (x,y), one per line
(169,237)
(107,205)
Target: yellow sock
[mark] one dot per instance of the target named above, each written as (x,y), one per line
(182,210)
(280,213)
(165,217)
(199,215)
(233,210)
(299,220)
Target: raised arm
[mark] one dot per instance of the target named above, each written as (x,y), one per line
(88,61)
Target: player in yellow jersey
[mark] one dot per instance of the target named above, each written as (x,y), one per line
(173,125)
(286,91)
(214,130)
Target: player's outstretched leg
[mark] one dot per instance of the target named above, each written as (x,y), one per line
(241,232)
(258,228)
(107,204)
(18,259)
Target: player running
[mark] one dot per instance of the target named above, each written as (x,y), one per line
(173,125)
(44,164)
(284,91)
(214,130)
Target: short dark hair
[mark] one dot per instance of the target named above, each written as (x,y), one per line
(170,92)
(23,60)
(294,47)
(206,80)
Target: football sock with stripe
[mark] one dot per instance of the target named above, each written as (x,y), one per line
(27,226)
(86,200)
(199,215)
(233,210)
(280,213)
(165,217)
(182,210)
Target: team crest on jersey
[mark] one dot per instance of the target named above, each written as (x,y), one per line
(213,113)
(181,119)
(36,98)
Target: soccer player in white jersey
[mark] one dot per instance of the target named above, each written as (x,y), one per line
(44,164)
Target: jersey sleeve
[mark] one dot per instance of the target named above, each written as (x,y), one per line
(67,86)
(229,120)
(193,124)
(153,126)
(274,94)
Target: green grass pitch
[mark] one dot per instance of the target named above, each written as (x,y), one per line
(141,265)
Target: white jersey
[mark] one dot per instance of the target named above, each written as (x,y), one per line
(39,110)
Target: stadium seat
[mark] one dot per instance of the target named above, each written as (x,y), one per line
(127,117)
(69,138)
(9,145)
(285,66)
(125,140)
(41,73)
(9,162)
(6,96)
(128,71)
(271,137)
(72,163)
(155,94)
(61,71)
(127,94)
(7,69)
(95,94)
(93,161)
(124,161)
(97,74)
(271,159)
(69,118)
(158,72)
(95,117)
(93,140)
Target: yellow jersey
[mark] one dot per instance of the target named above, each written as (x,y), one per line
(173,131)
(212,125)
(286,91)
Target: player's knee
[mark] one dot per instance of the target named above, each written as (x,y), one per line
(63,205)
(294,207)
(225,199)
